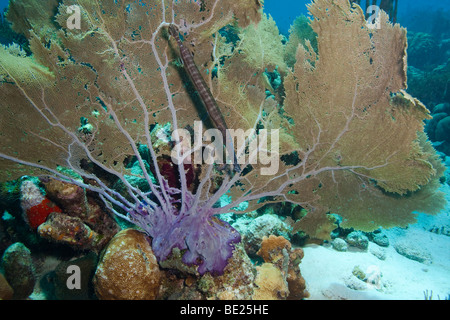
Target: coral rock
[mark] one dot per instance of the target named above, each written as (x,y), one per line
(69,196)
(296,283)
(278,252)
(86,206)
(378,252)
(36,206)
(30,194)
(128,269)
(19,270)
(413,251)
(237,281)
(174,287)
(253,230)
(61,228)
(6,292)
(358,240)
(272,248)
(381,239)
(270,283)
(339,244)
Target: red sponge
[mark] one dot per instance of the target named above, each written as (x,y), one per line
(37,214)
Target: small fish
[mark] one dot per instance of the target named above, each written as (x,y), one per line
(203,90)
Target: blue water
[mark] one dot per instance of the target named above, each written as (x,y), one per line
(3,4)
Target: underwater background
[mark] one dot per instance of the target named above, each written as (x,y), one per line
(410,262)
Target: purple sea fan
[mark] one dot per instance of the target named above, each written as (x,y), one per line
(204,240)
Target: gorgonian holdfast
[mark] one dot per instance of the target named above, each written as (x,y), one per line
(204,240)
(351,139)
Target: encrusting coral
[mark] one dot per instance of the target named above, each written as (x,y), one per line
(287,282)
(271,285)
(84,223)
(68,230)
(88,98)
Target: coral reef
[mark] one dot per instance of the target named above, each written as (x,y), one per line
(438,128)
(430,86)
(429,79)
(343,238)
(109,122)
(309,183)
(422,45)
(274,250)
(56,211)
(174,287)
(129,250)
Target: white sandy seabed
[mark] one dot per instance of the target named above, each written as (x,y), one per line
(329,273)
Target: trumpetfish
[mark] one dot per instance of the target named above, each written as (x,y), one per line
(203,90)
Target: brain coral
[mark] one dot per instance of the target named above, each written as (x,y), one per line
(127,270)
